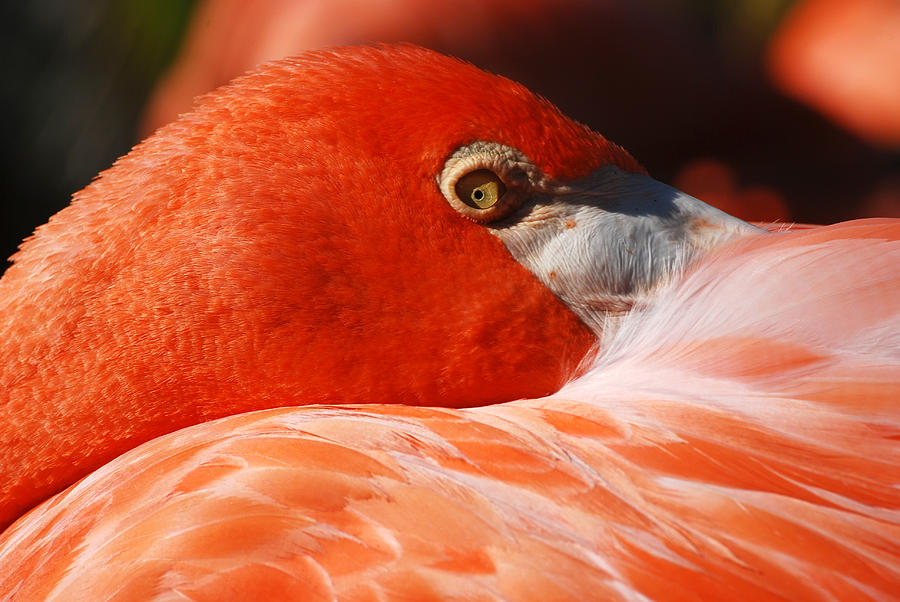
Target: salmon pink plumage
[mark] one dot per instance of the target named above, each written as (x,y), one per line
(388,228)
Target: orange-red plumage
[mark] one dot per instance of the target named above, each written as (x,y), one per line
(296,241)
(668,471)
(227,265)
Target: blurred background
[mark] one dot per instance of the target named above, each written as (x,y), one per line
(771,109)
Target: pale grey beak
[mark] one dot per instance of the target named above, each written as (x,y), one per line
(609,242)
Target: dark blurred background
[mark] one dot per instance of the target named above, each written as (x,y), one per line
(75,77)
(772,109)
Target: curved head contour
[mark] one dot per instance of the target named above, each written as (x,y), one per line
(311,234)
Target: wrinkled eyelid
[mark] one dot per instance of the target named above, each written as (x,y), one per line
(503,160)
(515,170)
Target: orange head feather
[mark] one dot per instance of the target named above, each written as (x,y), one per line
(285,243)
(290,242)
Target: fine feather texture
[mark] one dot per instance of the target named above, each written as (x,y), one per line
(737,441)
(284,243)
(289,242)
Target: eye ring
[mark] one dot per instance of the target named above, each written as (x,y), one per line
(486,181)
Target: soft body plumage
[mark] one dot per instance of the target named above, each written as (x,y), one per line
(298,239)
(738,440)
(389,226)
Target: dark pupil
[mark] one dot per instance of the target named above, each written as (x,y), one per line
(477,195)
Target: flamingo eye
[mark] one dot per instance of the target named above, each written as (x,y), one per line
(487,181)
(480,189)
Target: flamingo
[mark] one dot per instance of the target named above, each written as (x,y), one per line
(726,425)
